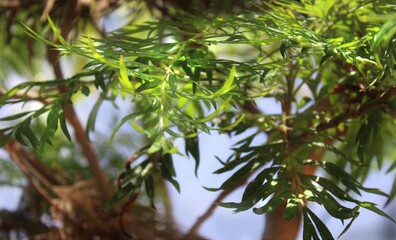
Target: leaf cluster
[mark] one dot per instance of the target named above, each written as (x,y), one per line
(180,88)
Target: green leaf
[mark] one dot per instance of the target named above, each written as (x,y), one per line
(371,206)
(62,122)
(240,174)
(85,90)
(331,205)
(125,191)
(374,191)
(227,86)
(356,209)
(93,115)
(192,148)
(56,31)
(309,231)
(273,203)
(262,192)
(384,35)
(148,85)
(53,119)
(19,136)
(261,186)
(168,170)
(29,134)
(4,138)
(37,36)
(122,122)
(149,186)
(341,175)
(172,79)
(327,56)
(124,80)
(392,193)
(292,210)
(216,113)
(15,116)
(235,123)
(330,186)
(283,47)
(136,126)
(156,145)
(322,229)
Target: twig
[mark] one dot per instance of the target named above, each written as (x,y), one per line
(364,108)
(102,184)
(192,233)
(31,165)
(10,4)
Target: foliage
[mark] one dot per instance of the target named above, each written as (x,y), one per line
(328,63)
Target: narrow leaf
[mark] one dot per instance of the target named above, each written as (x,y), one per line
(4,139)
(15,116)
(309,231)
(192,148)
(62,123)
(371,206)
(323,230)
(150,190)
(227,86)
(122,122)
(118,196)
(124,80)
(93,115)
(356,209)
(56,31)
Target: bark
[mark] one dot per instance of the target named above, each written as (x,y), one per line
(276,228)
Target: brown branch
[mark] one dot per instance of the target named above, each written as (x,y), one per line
(10,4)
(100,176)
(101,180)
(368,106)
(276,226)
(30,96)
(31,165)
(49,5)
(192,233)
(249,107)
(35,171)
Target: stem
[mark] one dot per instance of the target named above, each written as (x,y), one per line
(275,225)
(192,233)
(102,184)
(276,228)
(100,176)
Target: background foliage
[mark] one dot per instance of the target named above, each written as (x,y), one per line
(328,63)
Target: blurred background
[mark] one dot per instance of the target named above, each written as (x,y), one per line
(193,200)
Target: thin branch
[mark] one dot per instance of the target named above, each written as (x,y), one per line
(101,180)
(192,233)
(10,4)
(31,165)
(361,110)
(249,107)
(49,5)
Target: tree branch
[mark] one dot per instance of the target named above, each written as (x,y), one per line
(368,106)
(102,184)
(192,233)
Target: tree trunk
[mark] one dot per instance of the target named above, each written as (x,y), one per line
(276,228)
